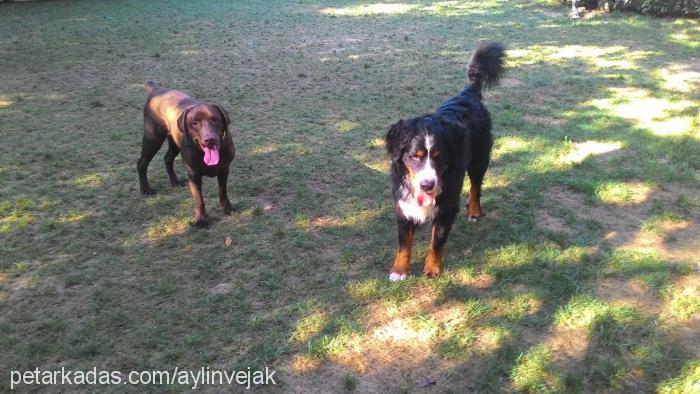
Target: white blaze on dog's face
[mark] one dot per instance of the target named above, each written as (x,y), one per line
(426,159)
(425,162)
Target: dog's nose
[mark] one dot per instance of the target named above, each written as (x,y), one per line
(210,141)
(427,185)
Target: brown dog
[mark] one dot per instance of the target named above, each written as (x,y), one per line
(197,129)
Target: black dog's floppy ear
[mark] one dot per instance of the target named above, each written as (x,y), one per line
(182,120)
(224,114)
(396,141)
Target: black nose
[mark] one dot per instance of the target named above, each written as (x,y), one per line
(427,185)
(210,141)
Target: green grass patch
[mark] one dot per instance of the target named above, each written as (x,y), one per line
(592,117)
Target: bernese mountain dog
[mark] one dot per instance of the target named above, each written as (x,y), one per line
(430,155)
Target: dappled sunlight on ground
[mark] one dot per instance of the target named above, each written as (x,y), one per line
(687,33)
(90,180)
(580,151)
(371,9)
(674,239)
(597,57)
(167,227)
(623,193)
(512,144)
(74,217)
(440,8)
(662,117)
(345,125)
(356,218)
(626,214)
(374,160)
(682,77)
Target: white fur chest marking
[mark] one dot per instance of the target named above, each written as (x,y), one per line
(412,211)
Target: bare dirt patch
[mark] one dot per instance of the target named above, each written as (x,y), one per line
(543,121)
(623,223)
(510,82)
(568,345)
(628,292)
(552,223)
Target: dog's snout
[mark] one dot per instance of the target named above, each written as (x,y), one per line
(427,185)
(211,140)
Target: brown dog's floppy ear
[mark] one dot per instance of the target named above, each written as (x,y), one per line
(224,114)
(182,120)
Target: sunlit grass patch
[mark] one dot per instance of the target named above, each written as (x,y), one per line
(371,9)
(91,180)
(345,125)
(581,311)
(439,8)
(459,343)
(509,145)
(73,217)
(580,151)
(168,226)
(16,214)
(308,327)
(517,307)
(533,372)
(658,115)
(360,217)
(632,263)
(687,380)
(682,302)
(373,289)
(664,221)
(622,192)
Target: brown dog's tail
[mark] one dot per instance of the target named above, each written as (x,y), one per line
(150,85)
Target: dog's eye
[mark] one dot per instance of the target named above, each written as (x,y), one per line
(195,123)
(418,155)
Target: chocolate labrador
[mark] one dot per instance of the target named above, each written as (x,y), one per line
(197,129)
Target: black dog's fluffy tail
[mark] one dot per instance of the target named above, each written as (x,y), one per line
(486,67)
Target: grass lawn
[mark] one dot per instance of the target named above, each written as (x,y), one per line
(582,277)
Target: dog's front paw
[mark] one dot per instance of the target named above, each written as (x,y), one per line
(431,272)
(147,191)
(475,217)
(228,208)
(202,222)
(395,276)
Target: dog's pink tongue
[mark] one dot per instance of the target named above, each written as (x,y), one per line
(424,199)
(211,156)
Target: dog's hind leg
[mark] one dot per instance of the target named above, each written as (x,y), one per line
(476,178)
(169,158)
(476,170)
(152,141)
(399,269)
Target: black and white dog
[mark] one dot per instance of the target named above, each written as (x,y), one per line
(430,155)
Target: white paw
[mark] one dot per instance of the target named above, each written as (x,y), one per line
(394,277)
(472,219)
